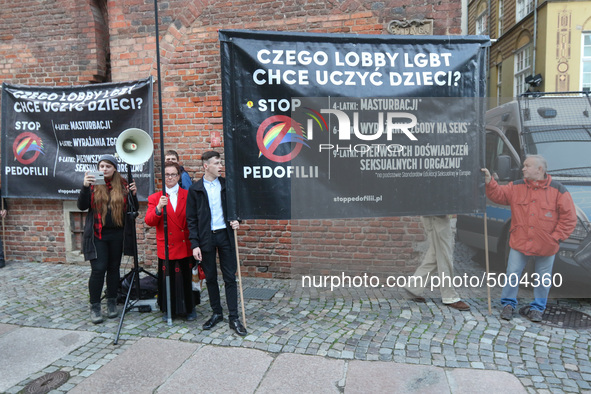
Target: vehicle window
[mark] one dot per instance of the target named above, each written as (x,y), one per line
(494,146)
(566,150)
(513,137)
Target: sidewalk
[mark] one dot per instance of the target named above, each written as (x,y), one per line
(151,365)
(300,340)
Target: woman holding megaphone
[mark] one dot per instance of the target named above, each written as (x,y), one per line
(104,231)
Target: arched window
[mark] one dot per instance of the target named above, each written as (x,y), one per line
(482,18)
(522,61)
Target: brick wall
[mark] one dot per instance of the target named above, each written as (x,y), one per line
(67,43)
(34,231)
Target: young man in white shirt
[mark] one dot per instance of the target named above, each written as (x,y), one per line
(211,232)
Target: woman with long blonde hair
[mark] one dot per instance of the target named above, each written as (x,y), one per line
(104,230)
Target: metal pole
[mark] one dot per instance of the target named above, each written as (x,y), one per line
(135,277)
(487,262)
(164,217)
(3,231)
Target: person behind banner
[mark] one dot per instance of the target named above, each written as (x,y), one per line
(438,259)
(542,215)
(210,231)
(104,236)
(180,254)
(173,156)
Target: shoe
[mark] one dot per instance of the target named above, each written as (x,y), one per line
(213,320)
(238,327)
(459,305)
(112,311)
(165,318)
(507,312)
(95,313)
(192,316)
(2,263)
(535,315)
(414,297)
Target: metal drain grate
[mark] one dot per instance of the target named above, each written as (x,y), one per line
(562,316)
(257,293)
(47,382)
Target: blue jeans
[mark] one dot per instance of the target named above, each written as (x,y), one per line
(515,265)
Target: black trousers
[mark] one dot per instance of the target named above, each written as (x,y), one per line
(109,251)
(225,251)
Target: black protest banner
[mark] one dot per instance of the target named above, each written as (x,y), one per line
(52,135)
(339,126)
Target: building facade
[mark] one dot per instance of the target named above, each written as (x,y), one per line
(537,45)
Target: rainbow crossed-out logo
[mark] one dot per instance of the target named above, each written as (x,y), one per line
(26,143)
(280,129)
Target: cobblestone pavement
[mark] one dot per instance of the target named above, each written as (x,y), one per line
(347,323)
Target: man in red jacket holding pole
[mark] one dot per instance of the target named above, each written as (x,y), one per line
(542,215)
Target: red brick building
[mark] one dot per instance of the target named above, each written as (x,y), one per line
(67,42)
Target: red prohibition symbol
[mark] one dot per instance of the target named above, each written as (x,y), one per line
(21,146)
(287,123)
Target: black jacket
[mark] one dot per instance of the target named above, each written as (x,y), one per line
(88,247)
(199,216)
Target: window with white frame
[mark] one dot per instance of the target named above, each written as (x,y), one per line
(523,7)
(586,60)
(522,69)
(482,23)
(501,16)
(482,18)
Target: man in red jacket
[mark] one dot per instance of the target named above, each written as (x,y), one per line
(542,215)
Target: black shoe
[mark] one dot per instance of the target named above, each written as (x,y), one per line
(535,315)
(2,263)
(192,315)
(213,320)
(95,313)
(112,311)
(507,312)
(238,327)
